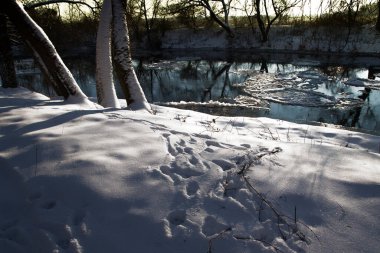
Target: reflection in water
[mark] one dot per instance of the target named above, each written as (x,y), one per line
(199,81)
(264,65)
(203,81)
(373,72)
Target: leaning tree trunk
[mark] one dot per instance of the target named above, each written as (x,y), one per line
(214,17)
(105,88)
(44,51)
(122,57)
(7,67)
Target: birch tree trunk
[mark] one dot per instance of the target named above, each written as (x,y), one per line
(122,58)
(105,88)
(44,51)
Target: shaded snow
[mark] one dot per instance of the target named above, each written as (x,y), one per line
(79,179)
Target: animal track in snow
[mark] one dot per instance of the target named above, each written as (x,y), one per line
(214,143)
(188,150)
(185,167)
(224,164)
(213,197)
(211,226)
(246,145)
(177,217)
(210,150)
(192,188)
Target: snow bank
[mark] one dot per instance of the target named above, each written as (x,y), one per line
(107,180)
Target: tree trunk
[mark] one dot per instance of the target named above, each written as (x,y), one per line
(45,53)
(222,24)
(105,88)
(263,30)
(378,16)
(260,22)
(122,58)
(7,67)
(226,27)
(146,19)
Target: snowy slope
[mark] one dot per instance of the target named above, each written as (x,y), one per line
(74,178)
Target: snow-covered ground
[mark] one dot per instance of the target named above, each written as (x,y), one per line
(76,178)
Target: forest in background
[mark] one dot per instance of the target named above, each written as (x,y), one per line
(77,21)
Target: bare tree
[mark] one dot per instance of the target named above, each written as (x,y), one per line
(150,13)
(212,7)
(113,30)
(74,5)
(265,20)
(122,58)
(144,10)
(353,7)
(105,89)
(61,78)
(44,51)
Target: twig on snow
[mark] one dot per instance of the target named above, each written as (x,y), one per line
(280,218)
(216,237)
(258,240)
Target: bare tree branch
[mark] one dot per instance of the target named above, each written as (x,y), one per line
(40,4)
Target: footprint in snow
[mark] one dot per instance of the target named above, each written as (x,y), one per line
(214,143)
(211,226)
(210,150)
(166,170)
(224,164)
(177,217)
(188,150)
(192,188)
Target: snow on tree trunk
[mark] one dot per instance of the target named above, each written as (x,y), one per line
(61,78)
(105,88)
(122,57)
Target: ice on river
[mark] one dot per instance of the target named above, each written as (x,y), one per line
(361,82)
(298,88)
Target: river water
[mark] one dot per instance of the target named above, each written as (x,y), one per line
(205,79)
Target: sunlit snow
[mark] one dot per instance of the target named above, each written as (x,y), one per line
(75,178)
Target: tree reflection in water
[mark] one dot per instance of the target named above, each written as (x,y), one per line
(201,81)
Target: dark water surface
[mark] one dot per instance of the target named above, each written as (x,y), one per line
(201,79)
